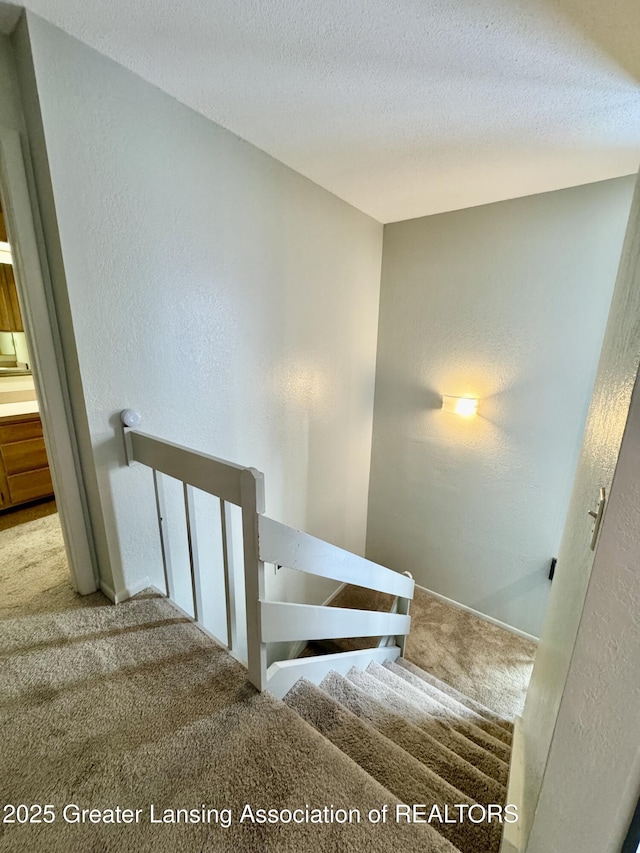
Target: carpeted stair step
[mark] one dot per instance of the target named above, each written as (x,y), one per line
(457,708)
(400,773)
(430,752)
(476,706)
(453,740)
(440,712)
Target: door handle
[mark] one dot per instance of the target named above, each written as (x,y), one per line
(596,515)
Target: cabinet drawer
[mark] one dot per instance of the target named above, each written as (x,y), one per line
(20,431)
(30,485)
(24,456)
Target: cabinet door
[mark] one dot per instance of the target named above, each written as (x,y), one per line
(10,317)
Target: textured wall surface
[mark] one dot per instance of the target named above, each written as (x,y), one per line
(592,780)
(603,434)
(507,303)
(230,300)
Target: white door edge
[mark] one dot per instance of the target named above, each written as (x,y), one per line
(43,340)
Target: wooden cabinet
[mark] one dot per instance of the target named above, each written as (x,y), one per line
(24,470)
(10,317)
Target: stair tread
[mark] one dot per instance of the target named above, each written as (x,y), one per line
(399,772)
(418,743)
(476,706)
(488,763)
(453,704)
(440,712)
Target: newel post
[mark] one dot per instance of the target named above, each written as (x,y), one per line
(403,608)
(130,419)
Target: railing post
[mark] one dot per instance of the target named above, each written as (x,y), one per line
(403,608)
(165,550)
(192,544)
(252,493)
(229,575)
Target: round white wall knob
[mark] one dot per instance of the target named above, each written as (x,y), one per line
(130,418)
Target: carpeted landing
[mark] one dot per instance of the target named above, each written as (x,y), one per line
(485,662)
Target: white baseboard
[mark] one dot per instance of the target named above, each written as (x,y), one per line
(106,590)
(512,833)
(480,615)
(124,593)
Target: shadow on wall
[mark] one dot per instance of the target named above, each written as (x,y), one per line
(520,591)
(111,463)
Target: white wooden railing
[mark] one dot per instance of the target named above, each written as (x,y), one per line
(266,540)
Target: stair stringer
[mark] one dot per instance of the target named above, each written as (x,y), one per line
(282,675)
(513,839)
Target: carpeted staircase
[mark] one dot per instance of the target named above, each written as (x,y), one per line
(422,739)
(425,742)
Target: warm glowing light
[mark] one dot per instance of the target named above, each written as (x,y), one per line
(465,406)
(5,253)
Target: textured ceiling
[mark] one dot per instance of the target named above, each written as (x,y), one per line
(401,107)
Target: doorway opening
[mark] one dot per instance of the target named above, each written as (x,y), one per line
(31,541)
(45,532)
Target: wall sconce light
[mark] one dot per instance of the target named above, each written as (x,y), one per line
(460,405)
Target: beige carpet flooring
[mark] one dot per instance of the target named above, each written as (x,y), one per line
(483,661)
(133,706)
(34,575)
(130,706)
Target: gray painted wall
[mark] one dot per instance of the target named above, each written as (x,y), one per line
(592,778)
(10,112)
(230,300)
(508,303)
(589,640)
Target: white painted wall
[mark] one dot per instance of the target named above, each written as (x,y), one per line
(506,302)
(592,778)
(594,709)
(228,299)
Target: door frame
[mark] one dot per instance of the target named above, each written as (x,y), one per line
(43,339)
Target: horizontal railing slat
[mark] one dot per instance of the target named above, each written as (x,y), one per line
(297,550)
(197,469)
(284,622)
